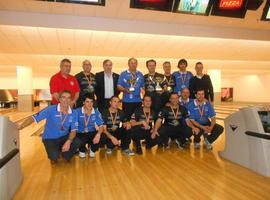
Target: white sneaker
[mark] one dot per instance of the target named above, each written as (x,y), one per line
(169,141)
(177,142)
(128,152)
(208,145)
(91,153)
(82,154)
(197,145)
(108,151)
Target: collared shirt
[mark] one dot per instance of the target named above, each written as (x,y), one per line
(139,116)
(201,114)
(182,80)
(124,81)
(108,86)
(55,121)
(85,86)
(119,119)
(168,115)
(95,120)
(58,83)
(185,103)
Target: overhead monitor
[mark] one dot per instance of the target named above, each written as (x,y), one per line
(197,7)
(162,5)
(230,8)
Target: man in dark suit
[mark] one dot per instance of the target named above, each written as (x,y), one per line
(106,85)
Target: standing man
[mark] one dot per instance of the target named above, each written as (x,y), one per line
(59,136)
(169,83)
(131,82)
(173,126)
(90,127)
(64,81)
(116,128)
(86,81)
(182,76)
(203,116)
(153,85)
(142,122)
(202,81)
(106,85)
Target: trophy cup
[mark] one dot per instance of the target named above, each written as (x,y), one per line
(158,80)
(132,83)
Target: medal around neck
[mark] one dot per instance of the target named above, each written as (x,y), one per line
(114,127)
(175,122)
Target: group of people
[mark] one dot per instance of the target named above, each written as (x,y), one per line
(156,108)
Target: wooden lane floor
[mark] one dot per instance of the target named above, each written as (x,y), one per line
(157,174)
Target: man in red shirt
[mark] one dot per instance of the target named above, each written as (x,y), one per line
(64,81)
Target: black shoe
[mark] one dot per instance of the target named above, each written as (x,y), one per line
(139,150)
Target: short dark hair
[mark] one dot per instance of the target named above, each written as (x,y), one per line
(65,60)
(173,93)
(105,61)
(145,96)
(64,91)
(129,60)
(167,62)
(182,61)
(151,60)
(114,96)
(198,63)
(88,96)
(198,90)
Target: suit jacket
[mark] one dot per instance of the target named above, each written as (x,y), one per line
(100,89)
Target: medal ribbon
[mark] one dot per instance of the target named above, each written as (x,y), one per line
(88,80)
(147,117)
(183,78)
(86,120)
(175,114)
(201,109)
(63,120)
(113,118)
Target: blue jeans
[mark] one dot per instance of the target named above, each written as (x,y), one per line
(54,147)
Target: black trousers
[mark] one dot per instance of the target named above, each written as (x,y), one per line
(138,134)
(54,147)
(103,104)
(129,108)
(216,132)
(87,138)
(180,133)
(165,96)
(121,134)
(156,103)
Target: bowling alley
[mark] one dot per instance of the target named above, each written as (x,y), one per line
(134,99)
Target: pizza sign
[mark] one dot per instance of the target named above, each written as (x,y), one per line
(231,4)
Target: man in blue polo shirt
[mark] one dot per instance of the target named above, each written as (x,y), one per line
(203,116)
(184,98)
(90,126)
(60,128)
(131,83)
(182,77)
